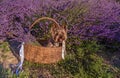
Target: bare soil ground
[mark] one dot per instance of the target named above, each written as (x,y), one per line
(7,58)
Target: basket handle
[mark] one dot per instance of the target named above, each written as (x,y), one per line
(44,18)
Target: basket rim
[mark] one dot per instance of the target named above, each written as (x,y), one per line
(26,44)
(44,18)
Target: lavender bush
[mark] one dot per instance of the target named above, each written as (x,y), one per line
(101,21)
(12,18)
(85,19)
(15,15)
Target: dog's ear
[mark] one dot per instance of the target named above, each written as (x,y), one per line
(64,27)
(54,27)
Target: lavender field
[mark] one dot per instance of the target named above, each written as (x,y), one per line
(93,44)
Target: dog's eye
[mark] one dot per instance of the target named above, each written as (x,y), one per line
(60,37)
(56,34)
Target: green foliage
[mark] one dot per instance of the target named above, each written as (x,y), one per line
(6,73)
(4,47)
(84,63)
(89,46)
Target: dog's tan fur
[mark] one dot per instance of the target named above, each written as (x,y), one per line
(59,34)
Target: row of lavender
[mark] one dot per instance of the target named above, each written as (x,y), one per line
(86,19)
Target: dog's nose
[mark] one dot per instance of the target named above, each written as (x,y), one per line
(61,39)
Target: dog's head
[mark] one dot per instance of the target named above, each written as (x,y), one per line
(59,34)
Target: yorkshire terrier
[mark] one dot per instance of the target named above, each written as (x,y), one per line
(59,34)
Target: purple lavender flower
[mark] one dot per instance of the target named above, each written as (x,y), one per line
(86,19)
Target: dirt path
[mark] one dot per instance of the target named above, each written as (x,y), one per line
(7,58)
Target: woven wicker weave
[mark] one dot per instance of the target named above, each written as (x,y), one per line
(42,54)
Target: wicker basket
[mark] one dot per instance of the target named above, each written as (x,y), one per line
(40,54)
